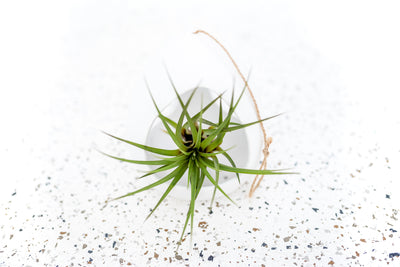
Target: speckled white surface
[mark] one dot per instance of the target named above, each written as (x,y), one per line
(78,69)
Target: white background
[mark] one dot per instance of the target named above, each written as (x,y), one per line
(68,69)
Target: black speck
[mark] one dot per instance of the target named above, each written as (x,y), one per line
(90,251)
(394,231)
(106,235)
(325,247)
(273,248)
(309,246)
(395,254)
(253,250)
(387,196)
(13,194)
(158,230)
(20,230)
(210,212)
(201,254)
(296,247)
(266,202)
(90,260)
(315,209)
(114,243)
(341,211)
(250,208)
(285,181)
(264,244)
(288,247)
(211,258)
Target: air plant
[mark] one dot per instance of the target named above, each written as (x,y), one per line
(199,148)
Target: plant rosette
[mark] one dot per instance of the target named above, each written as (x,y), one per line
(190,146)
(242,147)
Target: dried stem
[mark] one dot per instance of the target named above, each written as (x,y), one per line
(267,140)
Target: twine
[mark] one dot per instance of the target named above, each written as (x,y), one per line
(267,140)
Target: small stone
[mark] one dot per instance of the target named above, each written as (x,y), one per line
(178,257)
(395,254)
(286,239)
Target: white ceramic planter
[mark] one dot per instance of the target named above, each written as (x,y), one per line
(246,144)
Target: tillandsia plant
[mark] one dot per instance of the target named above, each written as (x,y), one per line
(199,145)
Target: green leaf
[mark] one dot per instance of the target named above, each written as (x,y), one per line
(179,174)
(200,184)
(226,155)
(216,165)
(210,123)
(223,167)
(207,107)
(145,162)
(165,152)
(177,140)
(166,167)
(204,169)
(170,122)
(184,111)
(215,152)
(240,126)
(199,135)
(194,179)
(211,137)
(190,212)
(161,181)
(217,142)
(221,126)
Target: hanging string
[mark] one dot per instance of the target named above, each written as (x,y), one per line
(267,140)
